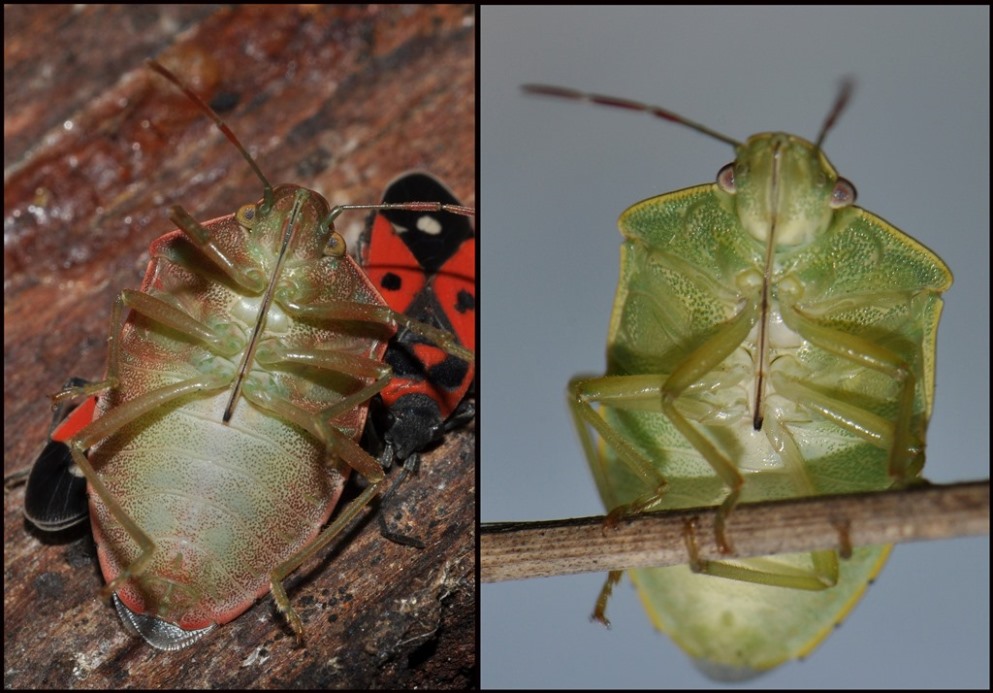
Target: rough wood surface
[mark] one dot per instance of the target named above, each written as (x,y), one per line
(337,98)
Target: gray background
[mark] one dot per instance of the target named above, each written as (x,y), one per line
(556,175)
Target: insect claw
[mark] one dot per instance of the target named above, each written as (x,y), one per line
(296,625)
(613,517)
(600,610)
(689,538)
(721,537)
(844,538)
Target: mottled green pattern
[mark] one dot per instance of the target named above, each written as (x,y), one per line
(849,306)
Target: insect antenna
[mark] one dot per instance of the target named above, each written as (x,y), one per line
(267,195)
(460,210)
(840,102)
(616,102)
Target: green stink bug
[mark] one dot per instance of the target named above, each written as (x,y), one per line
(769,339)
(913,142)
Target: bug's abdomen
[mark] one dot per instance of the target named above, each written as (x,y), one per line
(222,503)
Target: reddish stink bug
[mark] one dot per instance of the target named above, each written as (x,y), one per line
(424,265)
(220,440)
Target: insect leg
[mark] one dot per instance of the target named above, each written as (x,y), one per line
(600,610)
(442,339)
(823,570)
(390,319)
(905,438)
(626,392)
(203,239)
(340,446)
(117,417)
(644,393)
(690,371)
(409,466)
(273,353)
(108,424)
(372,376)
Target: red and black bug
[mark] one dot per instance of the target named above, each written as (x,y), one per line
(56,493)
(424,265)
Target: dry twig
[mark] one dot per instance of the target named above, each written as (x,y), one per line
(519,550)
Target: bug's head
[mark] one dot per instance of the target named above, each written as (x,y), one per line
(785,190)
(296,224)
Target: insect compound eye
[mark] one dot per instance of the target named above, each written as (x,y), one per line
(246,216)
(725,178)
(335,246)
(843,194)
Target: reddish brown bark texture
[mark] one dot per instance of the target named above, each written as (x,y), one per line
(96,148)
